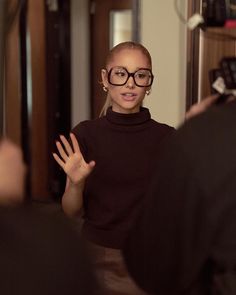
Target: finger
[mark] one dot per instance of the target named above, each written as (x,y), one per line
(75,143)
(58,160)
(201,106)
(208,101)
(190,113)
(91,164)
(61,151)
(66,145)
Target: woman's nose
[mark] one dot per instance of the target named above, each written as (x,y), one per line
(130,83)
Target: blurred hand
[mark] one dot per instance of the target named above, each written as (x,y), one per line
(12,173)
(201,106)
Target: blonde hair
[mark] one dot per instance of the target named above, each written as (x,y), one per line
(116,49)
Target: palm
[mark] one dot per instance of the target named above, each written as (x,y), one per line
(71,160)
(76,168)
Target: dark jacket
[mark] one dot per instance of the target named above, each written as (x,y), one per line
(185,242)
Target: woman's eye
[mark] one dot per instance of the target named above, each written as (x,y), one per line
(120,74)
(141,75)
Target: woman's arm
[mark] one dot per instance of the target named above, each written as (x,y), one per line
(77,170)
(72,199)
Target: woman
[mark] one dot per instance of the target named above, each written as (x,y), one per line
(109,162)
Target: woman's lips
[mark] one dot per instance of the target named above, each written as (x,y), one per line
(129,96)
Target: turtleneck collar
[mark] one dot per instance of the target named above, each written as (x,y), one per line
(128,119)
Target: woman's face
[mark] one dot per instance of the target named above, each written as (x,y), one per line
(128,97)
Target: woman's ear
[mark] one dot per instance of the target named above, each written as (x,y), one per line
(104,77)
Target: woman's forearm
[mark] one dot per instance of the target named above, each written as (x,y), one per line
(72,199)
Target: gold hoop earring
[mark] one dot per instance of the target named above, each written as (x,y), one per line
(148,92)
(105,88)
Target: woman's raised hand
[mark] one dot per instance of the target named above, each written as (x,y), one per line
(71,160)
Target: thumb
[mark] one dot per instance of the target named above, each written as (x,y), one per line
(91,165)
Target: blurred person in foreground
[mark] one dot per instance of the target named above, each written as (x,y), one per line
(12,173)
(185,241)
(41,252)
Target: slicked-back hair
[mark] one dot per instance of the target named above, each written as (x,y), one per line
(116,49)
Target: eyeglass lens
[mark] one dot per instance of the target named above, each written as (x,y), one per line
(119,76)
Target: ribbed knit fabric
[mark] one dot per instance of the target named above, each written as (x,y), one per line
(124,147)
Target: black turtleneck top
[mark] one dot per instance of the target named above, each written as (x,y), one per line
(124,147)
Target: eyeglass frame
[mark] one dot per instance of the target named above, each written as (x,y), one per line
(130,75)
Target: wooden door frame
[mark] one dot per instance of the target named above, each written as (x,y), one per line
(35,80)
(193,42)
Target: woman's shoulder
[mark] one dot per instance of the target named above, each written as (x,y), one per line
(161,131)
(87,125)
(162,126)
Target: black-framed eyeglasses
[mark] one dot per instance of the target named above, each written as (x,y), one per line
(119,76)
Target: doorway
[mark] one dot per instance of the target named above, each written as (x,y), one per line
(107,18)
